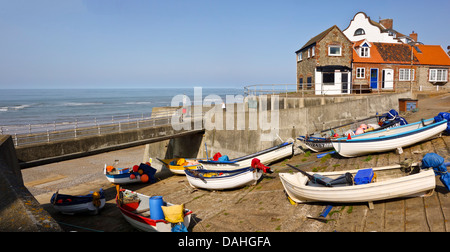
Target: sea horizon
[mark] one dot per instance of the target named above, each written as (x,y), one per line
(20,106)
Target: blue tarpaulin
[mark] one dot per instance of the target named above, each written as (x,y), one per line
(223,158)
(441,116)
(393,115)
(437,163)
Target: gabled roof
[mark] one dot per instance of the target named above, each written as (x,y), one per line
(385,53)
(390,53)
(395,53)
(432,55)
(317,38)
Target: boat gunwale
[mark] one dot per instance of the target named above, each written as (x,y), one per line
(235,160)
(140,217)
(356,138)
(302,179)
(235,173)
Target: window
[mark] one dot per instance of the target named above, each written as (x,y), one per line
(405,74)
(334,50)
(313,51)
(364,52)
(438,75)
(309,83)
(360,73)
(309,54)
(359,32)
(328,78)
(299,56)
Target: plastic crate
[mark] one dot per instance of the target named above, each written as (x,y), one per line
(363,176)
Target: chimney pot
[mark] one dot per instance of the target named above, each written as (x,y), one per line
(414,36)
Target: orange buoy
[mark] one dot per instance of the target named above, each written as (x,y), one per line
(144,178)
(140,171)
(132,176)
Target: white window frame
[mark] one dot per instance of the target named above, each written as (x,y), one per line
(335,46)
(406,74)
(434,74)
(313,51)
(360,73)
(299,57)
(364,52)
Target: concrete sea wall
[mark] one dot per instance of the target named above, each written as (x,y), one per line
(19,210)
(296,116)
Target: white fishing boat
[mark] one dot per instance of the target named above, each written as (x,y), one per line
(142,174)
(266,157)
(389,139)
(321,141)
(221,179)
(390,182)
(177,165)
(91,203)
(138,214)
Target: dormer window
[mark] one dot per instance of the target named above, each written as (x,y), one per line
(359,32)
(364,50)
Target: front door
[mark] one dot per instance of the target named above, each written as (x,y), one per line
(344,80)
(374,78)
(388,79)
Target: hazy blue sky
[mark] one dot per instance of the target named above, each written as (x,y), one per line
(181,43)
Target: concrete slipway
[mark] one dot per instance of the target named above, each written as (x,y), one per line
(263,207)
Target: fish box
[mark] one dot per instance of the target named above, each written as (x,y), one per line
(363,176)
(124,170)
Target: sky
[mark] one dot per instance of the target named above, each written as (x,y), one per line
(182,43)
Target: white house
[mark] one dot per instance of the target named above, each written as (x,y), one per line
(362,27)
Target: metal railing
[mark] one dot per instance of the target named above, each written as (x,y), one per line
(42,133)
(305,89)
(48,132)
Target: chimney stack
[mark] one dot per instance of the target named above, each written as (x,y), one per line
(387,23)
(414,36)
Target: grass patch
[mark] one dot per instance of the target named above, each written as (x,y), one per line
(368,158)
(325,158)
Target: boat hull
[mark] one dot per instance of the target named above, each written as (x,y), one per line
(241,178)
(407,186)
(316,145)
(77,204)
(389,139)
(80,208)
(265,157)
(176,169)
(121,179)
(146,224)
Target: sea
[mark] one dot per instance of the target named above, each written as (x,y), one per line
(54,106)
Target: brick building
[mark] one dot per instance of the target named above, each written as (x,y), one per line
(382,66)
(369,56)
(324,63)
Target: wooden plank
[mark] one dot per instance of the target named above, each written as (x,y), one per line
(415,218)
(434,215)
